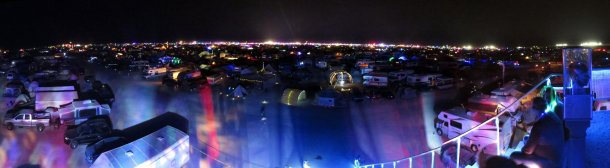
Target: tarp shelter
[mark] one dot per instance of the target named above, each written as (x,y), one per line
(247,71)
(327,98)
(239,91)
(166,147)
(293,96)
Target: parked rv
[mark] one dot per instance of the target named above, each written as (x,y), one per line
(155,72)
(138,65)
(457,121)
(54,95)
(375,79)
(444,83)
(77,112)
(427,80)
(399,75)
(321,64)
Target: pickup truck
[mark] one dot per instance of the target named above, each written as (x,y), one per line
(27,120)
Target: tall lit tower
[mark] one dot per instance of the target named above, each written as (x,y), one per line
(578,98)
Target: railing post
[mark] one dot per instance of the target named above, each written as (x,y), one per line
(410,162)
(498,135)
(432,164)
(457,156)
(394,163)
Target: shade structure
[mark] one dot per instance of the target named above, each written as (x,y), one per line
(293,96)
(167,147)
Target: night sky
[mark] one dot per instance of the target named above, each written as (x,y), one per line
(29,23)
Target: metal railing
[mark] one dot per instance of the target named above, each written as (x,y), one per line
(457,139)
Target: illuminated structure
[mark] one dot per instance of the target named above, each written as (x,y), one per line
(578,101)
(167,147)
(340,78)
(162,141)
(293,96)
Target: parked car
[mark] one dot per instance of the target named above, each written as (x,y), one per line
(94,150)
(387,94)
(357,95)
(104,95)
(10,76)
(90,131)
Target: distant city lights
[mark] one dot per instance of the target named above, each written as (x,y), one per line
(561,45)
(490,47)
(591,44)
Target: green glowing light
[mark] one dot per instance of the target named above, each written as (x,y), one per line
(551,97)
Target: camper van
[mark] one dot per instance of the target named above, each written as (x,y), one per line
(155,72)
(364,63)
(366,70)
(422,79)
(444,83)
(375,79)
(457,121)
(321,64)
(399,75)
(138,64)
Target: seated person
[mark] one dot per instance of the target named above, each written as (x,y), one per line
(544,148)
(530,116)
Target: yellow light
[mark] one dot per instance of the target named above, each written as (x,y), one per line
(270,42)
(561,45)
(467,47)
(591,44)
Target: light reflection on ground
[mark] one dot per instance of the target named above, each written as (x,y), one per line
(232,131)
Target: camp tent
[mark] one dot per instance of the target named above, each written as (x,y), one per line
(247,71)
(268,70)
(293,96)
(239,91)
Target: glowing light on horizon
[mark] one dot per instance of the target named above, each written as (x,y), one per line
(490,47)
(591,44)
(561,45)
